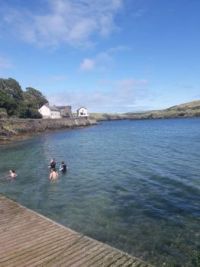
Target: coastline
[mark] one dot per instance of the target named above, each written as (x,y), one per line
(12,130)
(144,116)
(186,110)
(19,129)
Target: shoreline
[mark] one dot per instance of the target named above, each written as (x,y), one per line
(12,130)
(15,129)
(142,116)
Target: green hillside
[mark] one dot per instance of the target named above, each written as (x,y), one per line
(190,109)
(194,105)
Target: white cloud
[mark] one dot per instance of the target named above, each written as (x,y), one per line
(87,64)
(103,60)
(74,22)
(120,96)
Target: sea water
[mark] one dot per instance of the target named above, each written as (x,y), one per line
(132,184)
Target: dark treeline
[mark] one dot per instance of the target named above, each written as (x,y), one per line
(16,102)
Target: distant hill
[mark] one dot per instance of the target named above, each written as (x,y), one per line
(194,105)
(190,109)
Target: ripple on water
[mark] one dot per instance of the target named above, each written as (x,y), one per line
(132,184)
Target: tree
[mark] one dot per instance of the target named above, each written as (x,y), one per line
(33,98)
(28,112)
(11,95)
(19,103)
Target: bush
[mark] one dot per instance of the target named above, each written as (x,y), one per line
(3,113)
(26,112)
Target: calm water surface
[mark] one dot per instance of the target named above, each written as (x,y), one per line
(132,184)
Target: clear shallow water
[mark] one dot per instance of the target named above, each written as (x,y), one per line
(132,184)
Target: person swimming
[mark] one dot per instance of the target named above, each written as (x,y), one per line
(52,164)
(53,175)
(12,174)
(63,167)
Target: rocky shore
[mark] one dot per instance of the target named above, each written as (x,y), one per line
(14,129)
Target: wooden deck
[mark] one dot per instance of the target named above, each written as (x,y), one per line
(30,239)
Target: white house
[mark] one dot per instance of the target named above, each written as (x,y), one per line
(65,111)
(49,112)
(82,112)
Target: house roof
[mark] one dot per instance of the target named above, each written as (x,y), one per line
(52,108)
(80,108)
(63,107)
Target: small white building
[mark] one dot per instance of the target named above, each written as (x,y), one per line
(49,112)
(65,111)
(82,112)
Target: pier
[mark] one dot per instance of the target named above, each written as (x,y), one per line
(29,239)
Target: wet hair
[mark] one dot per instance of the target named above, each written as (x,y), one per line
(63,162)
(13,171)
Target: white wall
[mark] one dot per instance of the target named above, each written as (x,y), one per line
(45,112)
(48,114)
(55,115)
(82,112)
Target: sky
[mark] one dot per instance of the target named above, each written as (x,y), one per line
(107,55)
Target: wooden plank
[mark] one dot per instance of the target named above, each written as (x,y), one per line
(30,239)
(8,252)
(74,256)
(52,253)
(120,262)
(88,255)
(94,261)
(35,254)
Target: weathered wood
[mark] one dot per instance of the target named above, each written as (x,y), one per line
(30,239)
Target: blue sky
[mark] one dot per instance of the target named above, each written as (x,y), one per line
(107,55)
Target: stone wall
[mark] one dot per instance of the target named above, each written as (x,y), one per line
(17,127)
